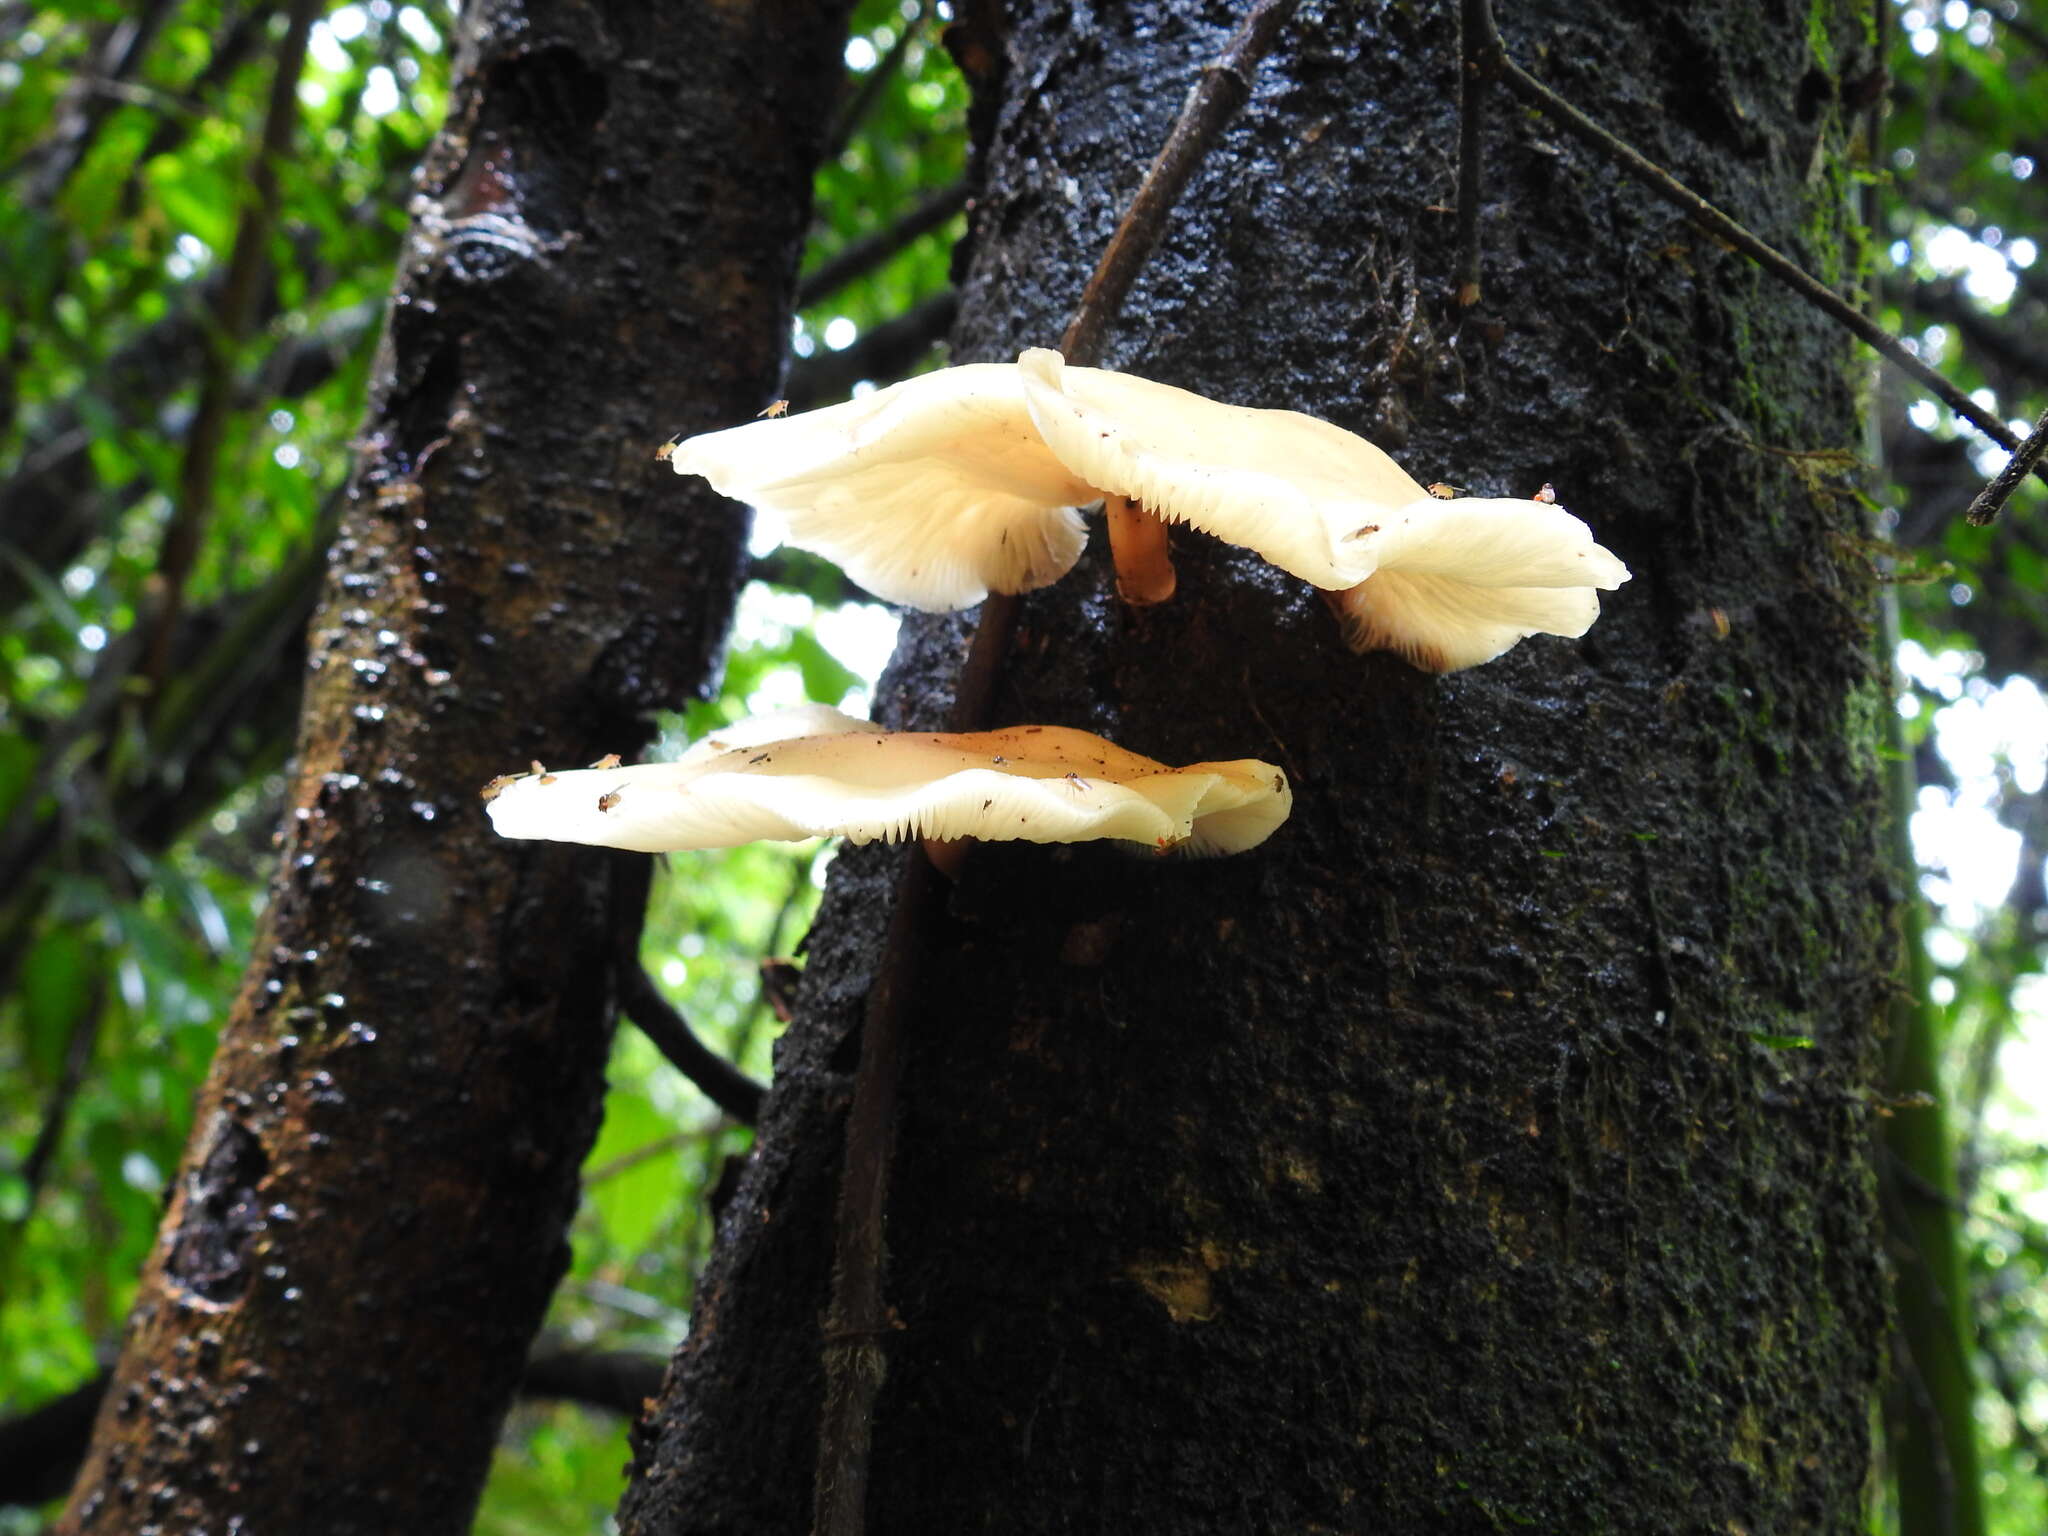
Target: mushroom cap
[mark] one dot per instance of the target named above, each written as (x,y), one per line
(836,776)
(931,493)
(1446,584)
(1288,486)
(1456,583)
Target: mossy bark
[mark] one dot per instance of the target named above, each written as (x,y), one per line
(1444,1165)
(373,1206)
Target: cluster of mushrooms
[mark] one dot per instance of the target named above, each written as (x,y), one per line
(936,491)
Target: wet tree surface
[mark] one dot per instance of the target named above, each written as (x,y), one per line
(1439,1166)
(373,1207)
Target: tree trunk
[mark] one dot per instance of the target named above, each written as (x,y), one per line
(1439,1166)
(373,1206)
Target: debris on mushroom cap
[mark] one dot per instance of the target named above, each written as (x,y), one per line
(1283,484)
(1456,583)
(777,725)
(844,777)
(932,493)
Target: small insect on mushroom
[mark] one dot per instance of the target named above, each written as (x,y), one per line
(775,408)
(608,799)
(661,454)
(1548,495)
(1444,492)
(609,760)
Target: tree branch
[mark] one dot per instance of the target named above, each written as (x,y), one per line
(641,1001)
(85,1034)
(618,1379)
(2017,468)
(2003,349)
(1476,74)
(1715,222)
(860,257)
(801,571)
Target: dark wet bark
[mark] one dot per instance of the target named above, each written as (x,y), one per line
(1432,1168)
(373,1208)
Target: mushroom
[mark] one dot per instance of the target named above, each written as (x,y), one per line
(945,487)
(1443,583)
(1285,485)
(814,772)
(1459,582)
(932,493)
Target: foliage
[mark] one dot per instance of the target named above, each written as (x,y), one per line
(1960,194)
(136,822)
(135,813)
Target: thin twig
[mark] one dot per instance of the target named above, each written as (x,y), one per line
(647,1152)
(641,1001)
(2017,468)
(1221,90)
(1476,74)
(1719,224)
(858,1319)
(860,257)
(1216,96)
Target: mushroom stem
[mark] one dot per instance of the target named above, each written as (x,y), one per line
(948,855)
(1137,543)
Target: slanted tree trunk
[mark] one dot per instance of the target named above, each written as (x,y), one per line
(372,1210)
(1437,1167)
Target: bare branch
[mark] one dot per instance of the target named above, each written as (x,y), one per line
(641,1001)
(1222,89)
(1719,224)
(2022,463)
(1477,72)
(862,256)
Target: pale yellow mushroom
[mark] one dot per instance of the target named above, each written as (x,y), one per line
(1459,582)
(816,773)
(1283,484)
(945,487)
(933,492)
(1443,583)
